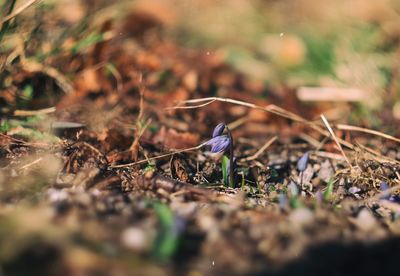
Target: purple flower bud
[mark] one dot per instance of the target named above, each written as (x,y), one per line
(303,161)
(218,130)
(219,143)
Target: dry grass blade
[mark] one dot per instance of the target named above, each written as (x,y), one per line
(366,130)
(261,150)
(197,103)
(134,148)
(329,155)
(22,142)
(311,140)
(27,113)
(157,157)
(19,10)
(31,163)
(376,155)
(335,138)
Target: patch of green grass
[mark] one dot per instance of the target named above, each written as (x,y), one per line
(91,39)
(4,126)
(320,59)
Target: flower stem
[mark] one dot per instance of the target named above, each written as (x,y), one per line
(231,169)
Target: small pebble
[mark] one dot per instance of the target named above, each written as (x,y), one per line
(134,238)
(301,217)
(365,220)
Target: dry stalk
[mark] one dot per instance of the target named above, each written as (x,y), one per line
(335,138)
(27,113)
(158,157)
(134,148)
(198,103)
(18,11)
(366,130)
(261,150)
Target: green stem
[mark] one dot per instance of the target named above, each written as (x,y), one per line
(231,169)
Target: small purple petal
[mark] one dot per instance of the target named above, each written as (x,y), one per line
(179,225)
(223,145)
(303,161)
(218,130)
(386,193)
(212,141)
(283,201)
(219,143)
(384,188)
(294,190)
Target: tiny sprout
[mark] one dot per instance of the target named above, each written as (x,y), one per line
(303,161)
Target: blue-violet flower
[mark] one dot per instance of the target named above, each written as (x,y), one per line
(218,130)
(303,161)
(219,143)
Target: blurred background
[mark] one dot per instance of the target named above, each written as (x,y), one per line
(281,46)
